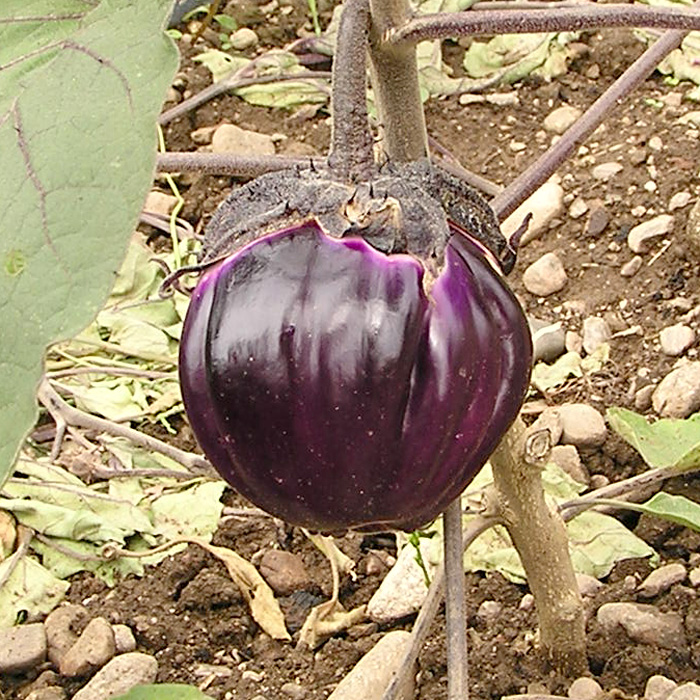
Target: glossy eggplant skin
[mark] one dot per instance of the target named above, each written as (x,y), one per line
(330,390)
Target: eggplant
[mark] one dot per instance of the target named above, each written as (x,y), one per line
(338,386)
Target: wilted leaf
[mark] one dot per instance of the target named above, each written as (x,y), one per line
(546,377)
(219,63)
(78,105)
(192,512)
(667,442)
(8,534)
(164,691)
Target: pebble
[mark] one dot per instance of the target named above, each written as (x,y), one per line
(294,691)
(547,339)
(60,630)
(53,692)
(545,276)
(93,649)
(588,585)
(598,219)
(643,624)
(692,228)
(599,481)
(605,171)
(545,204)
(639,237)
(527,602)
(678,393)
(582,425)
(659,688)
(596,331)
(578,208)
(676,339)
(661,580)
(253,676)
(203,135)
(124,640)
(489,610)
(687,691)
(243,38)
(694,577)
(229,138)
(566,457)
(655,143)
(561,118)
(159,203)
(573,342)
(284,571)
(22,647)
(631,267)
(119,676)
(642,397)
(584,689)
(679,200)
(374,671)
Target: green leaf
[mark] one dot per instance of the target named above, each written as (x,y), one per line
(667,442)
(164,691)
(677,509)
(79,99)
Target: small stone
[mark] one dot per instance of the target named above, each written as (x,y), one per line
(124,640)
(527,602)
(598,219)
(53,692)
(372,674)
(61,625)
(659,688)
(655,143)
(661,580)
(584,689)
(545,276)
(172,95)
(573,342)
(159,203)
(517,146)
(566,457)
(119,676)
(229,138)
(605,171)
(253,676)
(593,72)
(588,586)
(489,610)
(582,425)
(598,481)
(22,648)
(243,38)
(294,691)
(678,393)
(560,119)
(676,339)
(203,135)
(578,208)
(694,577)
(596,331)
(631,267)
(642,397)
(679,200)
(544,205)
(687,691)
(639,237)
(547,339)
(94,648)
(284,571)
(643,624)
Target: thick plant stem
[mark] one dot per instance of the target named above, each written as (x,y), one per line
(455,609)
(394,74)
(540,538)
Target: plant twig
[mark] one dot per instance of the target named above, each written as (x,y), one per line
(229,164)
(74,416)
(479,22)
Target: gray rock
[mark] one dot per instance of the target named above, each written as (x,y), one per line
(582,425)
(584,689)
(631,267)
(22,648)
(374,671)
(294,691)
(588,586)
(124,640)
(642,397)
(566,457)
(644,624)
(284,571)
(659,688)
(547,339)
(639,238)
(678,393)
(94,648)
(578,208)
(489,610)
(545,276)
(120,675)
(544,205)
(243,38)
(598,219)
(561,118)
(61,625)
(687,691)
(676,339)
(604,171)
(229,138)
(661,580)
(596,331)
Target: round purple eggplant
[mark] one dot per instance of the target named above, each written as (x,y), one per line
(337,388)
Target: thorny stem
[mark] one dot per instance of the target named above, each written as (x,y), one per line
(478,22)
(351,157)
(540,171)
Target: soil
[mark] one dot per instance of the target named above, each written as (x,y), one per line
(187,613)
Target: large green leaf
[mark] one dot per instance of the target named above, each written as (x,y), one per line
(668,442)
(80,90)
